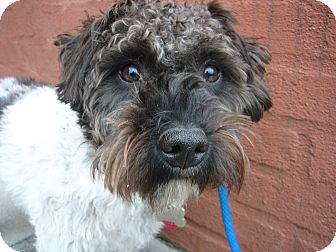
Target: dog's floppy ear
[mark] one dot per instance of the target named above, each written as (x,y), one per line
(257,99)
(76,53)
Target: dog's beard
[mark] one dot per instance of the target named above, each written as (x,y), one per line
(129,162)
(176,193)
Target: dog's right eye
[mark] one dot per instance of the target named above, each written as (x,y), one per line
(130,73)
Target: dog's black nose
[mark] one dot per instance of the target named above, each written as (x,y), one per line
(183,147)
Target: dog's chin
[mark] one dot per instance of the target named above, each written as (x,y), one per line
(176,193)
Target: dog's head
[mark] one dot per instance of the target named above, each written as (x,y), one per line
(163,91)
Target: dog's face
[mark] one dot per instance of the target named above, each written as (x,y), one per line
(164,90)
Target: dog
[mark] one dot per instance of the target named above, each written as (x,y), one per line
(151,105)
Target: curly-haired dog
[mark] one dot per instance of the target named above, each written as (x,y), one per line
(148,113)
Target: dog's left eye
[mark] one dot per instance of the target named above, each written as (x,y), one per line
(211,73)
(130,73)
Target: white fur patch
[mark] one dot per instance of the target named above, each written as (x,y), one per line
(45,165)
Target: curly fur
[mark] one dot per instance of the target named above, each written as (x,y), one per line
(119,123)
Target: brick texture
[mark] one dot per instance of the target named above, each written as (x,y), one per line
(289,200)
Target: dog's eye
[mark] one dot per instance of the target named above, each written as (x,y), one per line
(211,73)
(130,73)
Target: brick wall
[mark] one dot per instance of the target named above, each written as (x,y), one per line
(289,199)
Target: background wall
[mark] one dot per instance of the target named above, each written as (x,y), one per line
(289,199)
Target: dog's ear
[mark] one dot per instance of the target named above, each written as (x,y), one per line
(76,53)
(257,99)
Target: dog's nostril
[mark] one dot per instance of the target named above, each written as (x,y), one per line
(201,148)
(171,149)
(183,147)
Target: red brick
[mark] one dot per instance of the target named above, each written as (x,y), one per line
(274,146)
(311,26)
(328,62)
(274,234)
(330,33)
(292,199)
(323,156)
(283,25)
(32,43)
(303,96)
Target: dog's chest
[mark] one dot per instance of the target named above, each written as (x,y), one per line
(93,219)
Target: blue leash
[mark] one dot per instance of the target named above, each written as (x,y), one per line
(227,220)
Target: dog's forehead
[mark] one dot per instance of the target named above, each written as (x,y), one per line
(169,27)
